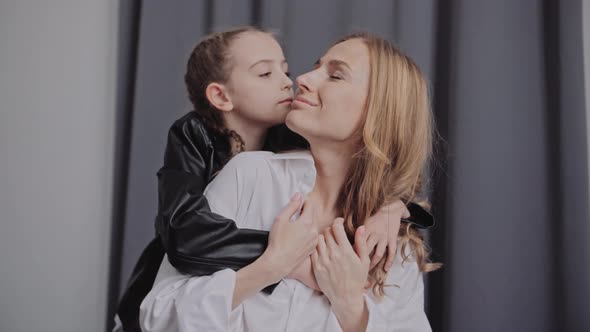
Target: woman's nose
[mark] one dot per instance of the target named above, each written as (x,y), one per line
(304,82)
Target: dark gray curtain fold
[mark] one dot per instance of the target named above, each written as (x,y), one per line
(510,188)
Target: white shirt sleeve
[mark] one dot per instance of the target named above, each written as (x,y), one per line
(403,303)
(180,302)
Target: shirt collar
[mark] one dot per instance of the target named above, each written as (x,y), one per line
(296,154)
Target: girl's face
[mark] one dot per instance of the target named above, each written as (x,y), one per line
(259,85)
(330,100)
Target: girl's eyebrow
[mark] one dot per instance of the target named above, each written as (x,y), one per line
(266,61)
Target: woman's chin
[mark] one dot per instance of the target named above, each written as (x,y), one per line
(294,124)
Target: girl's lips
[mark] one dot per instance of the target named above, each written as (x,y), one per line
(288,100)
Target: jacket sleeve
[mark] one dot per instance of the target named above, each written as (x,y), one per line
(197,241)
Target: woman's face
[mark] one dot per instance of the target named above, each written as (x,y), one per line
(330,100)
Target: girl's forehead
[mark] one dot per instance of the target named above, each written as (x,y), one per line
(251,47)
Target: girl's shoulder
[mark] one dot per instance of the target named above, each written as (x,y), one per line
(192,126)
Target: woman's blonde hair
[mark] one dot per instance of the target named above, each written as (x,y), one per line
(397,134)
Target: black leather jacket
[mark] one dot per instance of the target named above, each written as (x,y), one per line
(197,241)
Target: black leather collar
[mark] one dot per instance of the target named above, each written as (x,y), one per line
(419,217)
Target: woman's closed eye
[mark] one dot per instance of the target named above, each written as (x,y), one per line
(335,74)
(336,77)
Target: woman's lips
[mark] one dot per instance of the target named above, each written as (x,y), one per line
(288,100)
(305,101)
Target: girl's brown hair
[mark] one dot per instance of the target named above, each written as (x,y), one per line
(397,134)
(210,61)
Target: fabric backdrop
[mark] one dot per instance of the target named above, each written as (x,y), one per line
(510,188)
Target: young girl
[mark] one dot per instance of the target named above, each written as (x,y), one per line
(239,86)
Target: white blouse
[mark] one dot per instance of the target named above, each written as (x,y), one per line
(251,189)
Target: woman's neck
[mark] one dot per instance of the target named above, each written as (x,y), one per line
(331,170)
(252,134)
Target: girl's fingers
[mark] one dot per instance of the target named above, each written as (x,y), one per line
(371,242)
(379,252)
(289,210)
(406,213)
(360,245)
(390,255)
(306,214)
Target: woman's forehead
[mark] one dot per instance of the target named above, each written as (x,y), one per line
(353,52)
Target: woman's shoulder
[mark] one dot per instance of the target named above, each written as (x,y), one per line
(265,165)
(298,163)
(259,158)
(247,166)
(250,159)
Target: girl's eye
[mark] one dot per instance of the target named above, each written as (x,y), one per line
(265,74)
(335,77)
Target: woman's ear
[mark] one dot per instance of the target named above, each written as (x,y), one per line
(218,97)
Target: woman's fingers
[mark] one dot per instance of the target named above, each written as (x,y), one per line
(339,232)
(314,259)
(321,247)
(331,244)
(317,270)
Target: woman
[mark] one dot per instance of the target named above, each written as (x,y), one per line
(364,110)
(225,73)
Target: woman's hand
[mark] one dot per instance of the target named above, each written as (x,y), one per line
(304,273)
(342,274)
(382,229)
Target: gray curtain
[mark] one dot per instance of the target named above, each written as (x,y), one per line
(510,187)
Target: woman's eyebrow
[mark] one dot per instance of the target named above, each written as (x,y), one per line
(333,63)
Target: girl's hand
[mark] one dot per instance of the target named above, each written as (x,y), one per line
(382,230)
(291,242)
(342,274)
